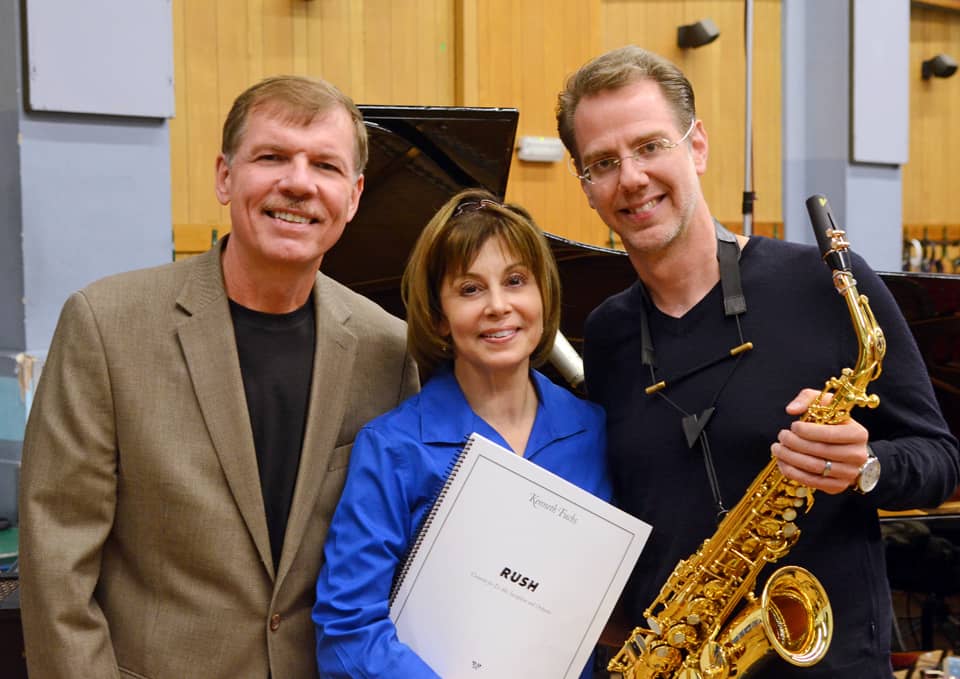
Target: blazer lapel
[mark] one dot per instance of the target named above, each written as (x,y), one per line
(209,347)
(332,371)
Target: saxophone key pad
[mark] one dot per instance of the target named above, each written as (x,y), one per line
(682,635)
(664,658)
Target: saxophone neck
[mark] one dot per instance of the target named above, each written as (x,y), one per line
(870,341)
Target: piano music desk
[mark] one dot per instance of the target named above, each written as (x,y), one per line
(940,601)
(948,510)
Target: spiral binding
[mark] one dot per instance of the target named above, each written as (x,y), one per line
(452,470)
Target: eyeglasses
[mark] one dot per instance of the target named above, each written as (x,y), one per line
(604,170)
(473,206)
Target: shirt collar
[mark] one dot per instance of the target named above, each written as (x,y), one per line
(446,417)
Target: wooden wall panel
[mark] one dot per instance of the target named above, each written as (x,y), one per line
(399,52)
(474,53)
(517,54)
(333,47)
(179,139)
(521,53)
(930,175)
(233,68)
(767,114)
(276,51)
(200,91)
(409,55)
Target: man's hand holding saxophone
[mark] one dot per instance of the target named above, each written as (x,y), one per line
(827,457)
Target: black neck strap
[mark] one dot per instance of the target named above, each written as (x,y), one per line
(734,303)
(728,256)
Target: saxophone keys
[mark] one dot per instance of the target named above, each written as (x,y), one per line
(636,644)
(682,635)
(714,663)
(790,515)
(768,528)
(714,590)
(663,658)
(701,611)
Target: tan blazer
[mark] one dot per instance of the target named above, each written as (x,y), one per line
(144,547)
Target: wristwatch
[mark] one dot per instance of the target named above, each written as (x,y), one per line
(869,474)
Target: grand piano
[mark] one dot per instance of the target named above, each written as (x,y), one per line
(420,157)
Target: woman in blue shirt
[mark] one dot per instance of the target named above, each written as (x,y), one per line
(483,306)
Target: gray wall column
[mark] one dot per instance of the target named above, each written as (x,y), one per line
(82,196)
(818,88)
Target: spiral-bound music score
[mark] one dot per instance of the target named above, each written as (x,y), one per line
(514,572)
(435,504)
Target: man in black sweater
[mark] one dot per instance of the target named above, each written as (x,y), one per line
(734,327)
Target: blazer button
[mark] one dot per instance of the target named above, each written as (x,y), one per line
(274,622)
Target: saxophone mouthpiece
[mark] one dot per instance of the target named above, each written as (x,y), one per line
(830,239)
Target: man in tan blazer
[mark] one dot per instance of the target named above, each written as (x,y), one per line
(190,434)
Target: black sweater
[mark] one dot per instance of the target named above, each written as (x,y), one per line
(802,334)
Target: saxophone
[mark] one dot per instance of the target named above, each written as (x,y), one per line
(688,635)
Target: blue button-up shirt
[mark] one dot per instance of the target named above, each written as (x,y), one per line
(398,463)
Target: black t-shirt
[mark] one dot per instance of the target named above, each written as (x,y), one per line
(276,362)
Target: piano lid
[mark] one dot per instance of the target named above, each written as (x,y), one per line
(419,158)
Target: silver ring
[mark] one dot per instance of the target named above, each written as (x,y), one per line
(827,465)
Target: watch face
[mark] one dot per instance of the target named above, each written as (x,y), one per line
(869,475)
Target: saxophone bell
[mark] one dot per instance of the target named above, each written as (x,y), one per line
(799,620)
(792,618)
